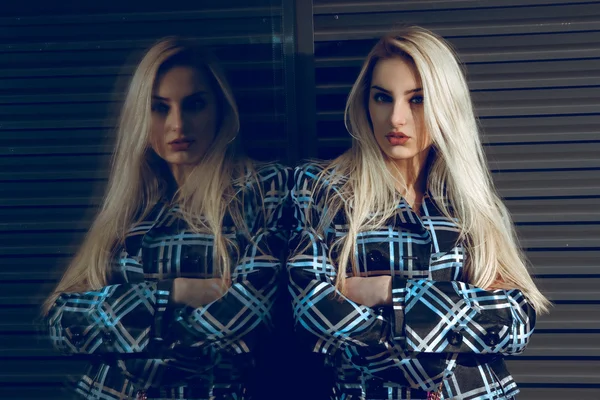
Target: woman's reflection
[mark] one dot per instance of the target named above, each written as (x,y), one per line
(174,282)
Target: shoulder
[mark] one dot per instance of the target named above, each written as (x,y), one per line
(266,180)
(317,174)
(437,201)
(272,173)
(311,169)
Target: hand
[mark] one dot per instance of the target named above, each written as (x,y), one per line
(371,292)
(198,292)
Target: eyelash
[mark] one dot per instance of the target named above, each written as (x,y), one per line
(160,108)
(194,106)
(198,105)
(417,100)
(382,97)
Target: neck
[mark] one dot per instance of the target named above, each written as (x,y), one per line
(180,173)
(410,174)
(411,178)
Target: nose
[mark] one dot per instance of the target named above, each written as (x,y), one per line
(175,119)
(400,114)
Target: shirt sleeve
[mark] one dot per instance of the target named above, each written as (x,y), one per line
(117,318)
(332,320)
(397,344)
(456,317)
(232,322)
(327,320)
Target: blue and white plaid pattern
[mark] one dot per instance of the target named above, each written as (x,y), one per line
(439,330)
(170,349)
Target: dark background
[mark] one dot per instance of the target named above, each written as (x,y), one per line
(534,71)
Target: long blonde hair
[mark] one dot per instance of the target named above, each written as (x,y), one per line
(139,178)
(457,168)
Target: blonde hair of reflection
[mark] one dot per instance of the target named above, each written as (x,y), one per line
(136,181)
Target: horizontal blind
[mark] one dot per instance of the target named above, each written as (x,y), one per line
(534,73)
(63,69)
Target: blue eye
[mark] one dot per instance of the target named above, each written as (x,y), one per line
(417,100)
(197,105)
(382,98)
(160,108)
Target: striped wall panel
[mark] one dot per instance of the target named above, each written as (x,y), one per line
(533,67)
(534,72)
(63,68)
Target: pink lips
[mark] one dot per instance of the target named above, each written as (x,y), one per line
(181,144)
(397,138)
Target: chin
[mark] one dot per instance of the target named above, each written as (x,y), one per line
(397,154)
(183,159)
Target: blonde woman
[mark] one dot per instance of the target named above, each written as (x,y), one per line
(407,273)
(174,281)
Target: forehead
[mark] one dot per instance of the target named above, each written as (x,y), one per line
(180,81)
(395,72)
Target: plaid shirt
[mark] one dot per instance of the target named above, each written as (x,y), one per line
(439,329)
(144,342)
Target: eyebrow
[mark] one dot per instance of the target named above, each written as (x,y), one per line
(198,93)
(415,90)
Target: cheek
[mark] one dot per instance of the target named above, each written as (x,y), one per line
(419,121)
(204,123)
(157,133)
(424,136)
(377,117)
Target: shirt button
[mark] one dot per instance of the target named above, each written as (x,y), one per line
(375,384)
(176,343)
(191,260)
(359,360)
(376,257)
(141,395)
(454,338)
(77,337)
(107,337)
(492,338)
